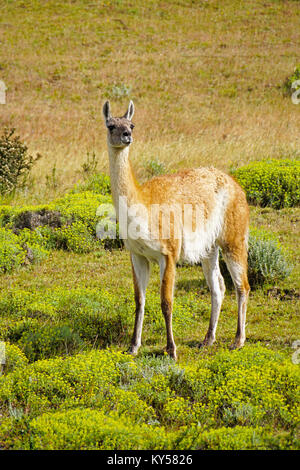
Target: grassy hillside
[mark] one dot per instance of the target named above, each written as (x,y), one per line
(207,79)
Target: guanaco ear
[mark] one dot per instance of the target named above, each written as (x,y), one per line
(106,111)
(130,111)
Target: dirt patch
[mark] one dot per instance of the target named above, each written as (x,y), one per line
(32,220)
(284,294)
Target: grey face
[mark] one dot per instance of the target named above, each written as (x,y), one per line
(119,130)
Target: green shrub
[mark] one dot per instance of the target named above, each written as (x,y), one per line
(72,207)
(81,207)
(190,382)
(67,223)
(60,322)
(14,359)
(252,387)
(237,438)
(43,341)
(62,382)
(178,412)
(32,240)
(117,91)
(92,429)
(16,250)
(16,218)
(75,237)
(267,261)
(274,183)
(12,254)
(252,392)
(149,380)
(154,167)
(82,210)
(15,163)
(97,183)
(290,80)
(125,403)
(155,391)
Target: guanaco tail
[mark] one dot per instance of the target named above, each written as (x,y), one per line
(184,216)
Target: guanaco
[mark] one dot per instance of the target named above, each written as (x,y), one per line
(217,217)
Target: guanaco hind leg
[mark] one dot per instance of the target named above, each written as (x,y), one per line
(167,276)
(237,266)
(216,286)
(140,271)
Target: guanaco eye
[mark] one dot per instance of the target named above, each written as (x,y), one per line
(131,126)
(111,128)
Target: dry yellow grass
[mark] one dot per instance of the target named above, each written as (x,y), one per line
(206,78)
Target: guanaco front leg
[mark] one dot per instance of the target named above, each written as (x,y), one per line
(140,270)
(167,275)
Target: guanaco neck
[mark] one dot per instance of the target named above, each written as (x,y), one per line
(122,179)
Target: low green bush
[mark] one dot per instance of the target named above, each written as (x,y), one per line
(76,237)
(12,217)
(97,183)
(251,387)
(68,223)
(14,359)
(12,254)
(69,208)
(34,246)
(231,400)
(237,438)
(63,322)
(91,429)
(291,79)
(180,411)
(15,162)
(43,341)
(267,260)
(85,208)
(154,167)
(61,382)
(81,207)
(16,251)
(274,183)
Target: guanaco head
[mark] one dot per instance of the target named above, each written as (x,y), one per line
(119,130)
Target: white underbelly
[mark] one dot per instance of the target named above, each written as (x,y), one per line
(151,249)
